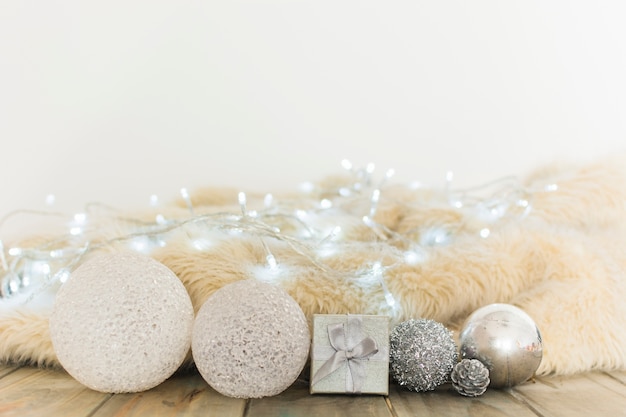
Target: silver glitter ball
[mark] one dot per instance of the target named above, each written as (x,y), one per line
(422,354)
(506,340)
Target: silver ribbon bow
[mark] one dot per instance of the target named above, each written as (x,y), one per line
(351,348)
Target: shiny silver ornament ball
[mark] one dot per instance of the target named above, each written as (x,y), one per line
(506,340)
(470,378)
(250,340)
(422,354)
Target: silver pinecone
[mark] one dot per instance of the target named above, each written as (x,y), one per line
(470,377)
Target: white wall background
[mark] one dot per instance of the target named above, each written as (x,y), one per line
(114,101)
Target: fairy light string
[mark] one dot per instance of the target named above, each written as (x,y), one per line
(315,229)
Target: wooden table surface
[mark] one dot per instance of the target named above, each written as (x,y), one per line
(26,391)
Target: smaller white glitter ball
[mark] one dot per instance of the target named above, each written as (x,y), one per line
(250,340)
(121,323)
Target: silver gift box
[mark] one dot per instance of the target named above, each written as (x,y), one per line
(350,354)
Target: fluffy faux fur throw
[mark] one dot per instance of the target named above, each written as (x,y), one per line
(552,245)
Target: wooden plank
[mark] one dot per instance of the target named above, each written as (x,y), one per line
(579,395)
(609,382)
(32,391)
(181,395)
(444,401)
(296,401)
(6,369)
(619,376)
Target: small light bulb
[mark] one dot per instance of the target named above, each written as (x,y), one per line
(271,262)
(241,198)
(78,223)
(75,231)
(140,244)
(335,232)
(307,187)
(390,300)
(375,196)
(235,231)
(185,195)
(415,185)
(326,203)
(301,215)
(43,267)
(201,244)
(80,218)
(435,236)
(62,275)
(484,233)
(412,257)
(14,285)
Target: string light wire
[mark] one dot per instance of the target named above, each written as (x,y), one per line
(56,258)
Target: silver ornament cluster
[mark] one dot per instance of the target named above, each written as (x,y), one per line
(422,354)
(470,377)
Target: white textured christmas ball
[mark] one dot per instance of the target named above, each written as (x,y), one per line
(121,323)
(250,340)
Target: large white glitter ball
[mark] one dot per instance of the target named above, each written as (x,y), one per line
(121,323)
(250,340)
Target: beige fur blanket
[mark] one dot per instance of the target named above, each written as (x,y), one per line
(552,245)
